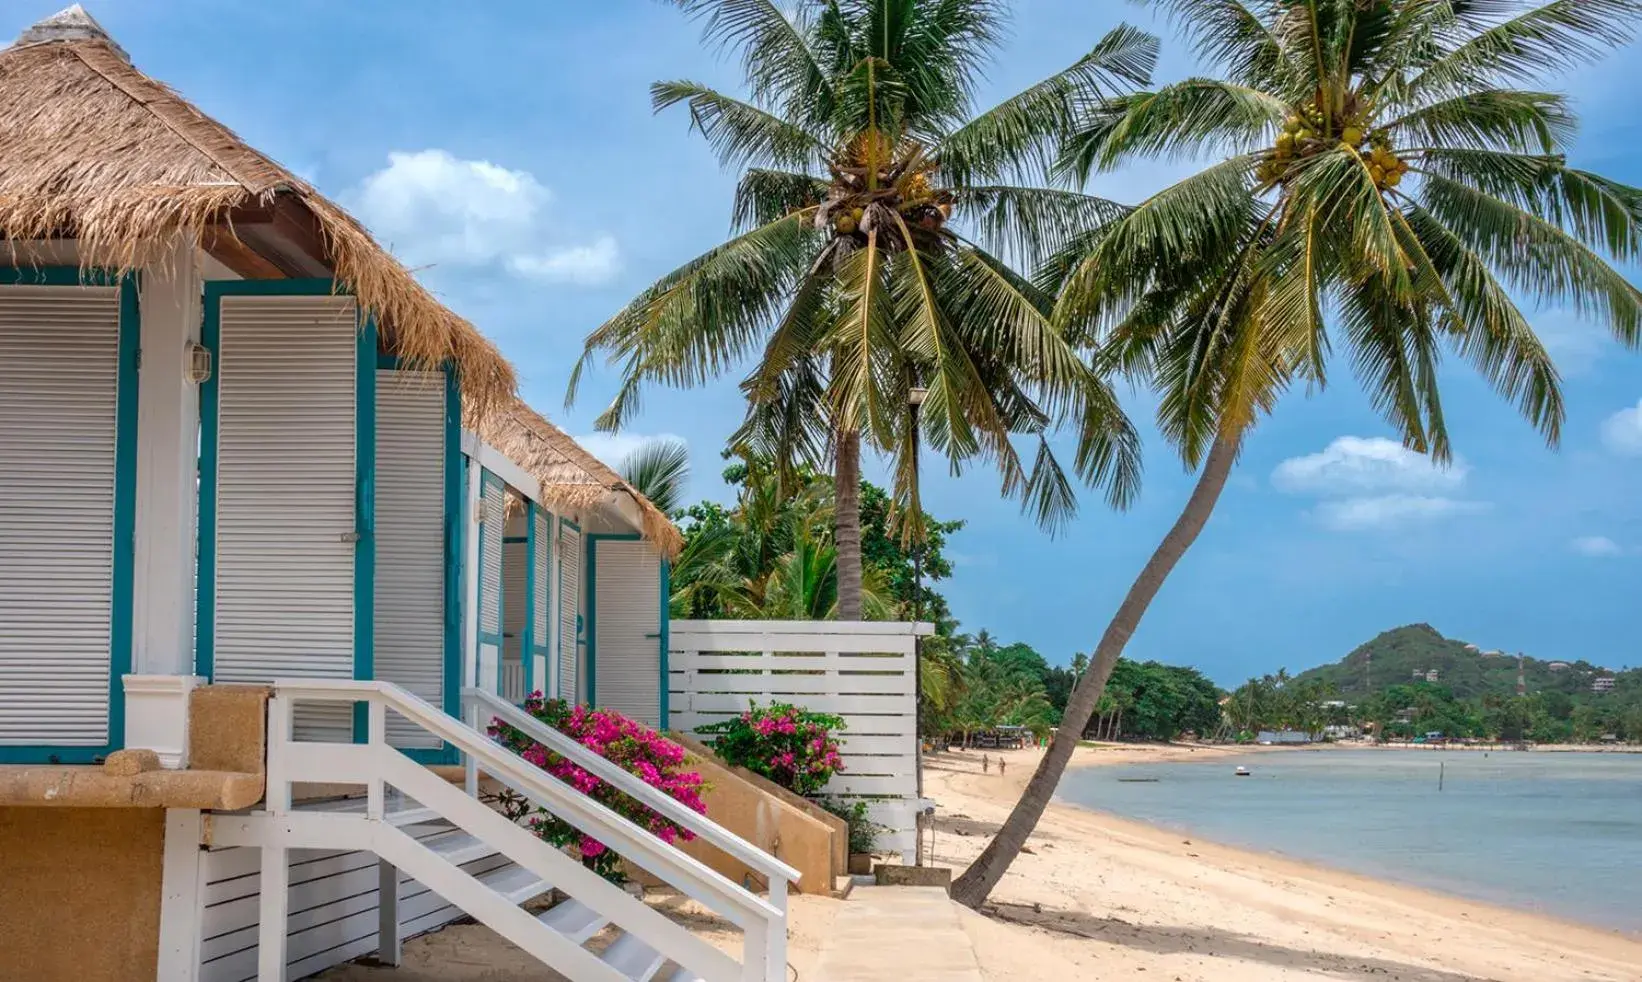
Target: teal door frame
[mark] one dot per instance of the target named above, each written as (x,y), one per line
(487,479)
(365,364)
(126,436)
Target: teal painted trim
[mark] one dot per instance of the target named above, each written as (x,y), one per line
(567,523)
(455,482)
(364,556)
(298,287)
(205,630)
(61,276)
(125,504)
(666,639)
(527,638)
(590,602)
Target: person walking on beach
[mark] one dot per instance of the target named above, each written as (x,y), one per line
(1001,762)
(986,764)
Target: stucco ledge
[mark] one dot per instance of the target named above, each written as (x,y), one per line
(91,786)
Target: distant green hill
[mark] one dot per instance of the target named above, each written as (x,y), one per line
(1397,654)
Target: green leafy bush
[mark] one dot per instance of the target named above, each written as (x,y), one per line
(791,746)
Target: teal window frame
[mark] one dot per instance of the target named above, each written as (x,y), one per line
(128,379)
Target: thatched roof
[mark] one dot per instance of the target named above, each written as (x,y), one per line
(94,150)
(572,479)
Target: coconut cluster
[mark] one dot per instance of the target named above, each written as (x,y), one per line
(872,184)
(1310,132)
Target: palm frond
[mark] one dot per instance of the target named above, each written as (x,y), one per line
(1029,224)
(1014,138)
(763,196)
(1229,34)
(1191,118)
(1500,119)
(1545,40)
(660,470)
(780,67)
(740,132)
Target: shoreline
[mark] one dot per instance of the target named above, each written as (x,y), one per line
(1100,888)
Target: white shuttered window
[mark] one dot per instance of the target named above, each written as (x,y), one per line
(59,374)
(627,626)
(410,541)
(285,497)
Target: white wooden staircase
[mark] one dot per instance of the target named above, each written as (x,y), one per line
(642,943)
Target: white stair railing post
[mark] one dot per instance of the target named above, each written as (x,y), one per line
(376,736)
(387,913)
(755,952)
(776,944)
(470,766)
(274,879)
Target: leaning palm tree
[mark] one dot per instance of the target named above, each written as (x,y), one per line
(1387,191)
(873,220)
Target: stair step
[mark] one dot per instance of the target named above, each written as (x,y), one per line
(515,883)
(457,848)
(633,958)
(575,920)
(682,974)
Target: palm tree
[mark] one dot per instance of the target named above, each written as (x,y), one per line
(1387,190)
(660,470)
(845,281)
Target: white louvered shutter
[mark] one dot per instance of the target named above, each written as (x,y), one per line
(493,502)
(570,605)
(410,541)
(515,559)
(540,614)
(285,497)
(628,624)
(59,371)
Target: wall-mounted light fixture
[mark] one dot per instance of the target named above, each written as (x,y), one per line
(199,363)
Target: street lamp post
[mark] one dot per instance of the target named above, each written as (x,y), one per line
(915,402)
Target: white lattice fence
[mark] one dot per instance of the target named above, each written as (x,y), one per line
(862,671)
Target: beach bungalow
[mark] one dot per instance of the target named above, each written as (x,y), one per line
(276,540)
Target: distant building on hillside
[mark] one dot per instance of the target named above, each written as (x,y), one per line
(1419,674)
(1558,666)
(1493,654)
(1602,683)
(1473,649)
(1430,675)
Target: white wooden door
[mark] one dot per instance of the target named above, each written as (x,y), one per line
(570,606)
(285,511)
(409,625)
(627,629)
(59,380)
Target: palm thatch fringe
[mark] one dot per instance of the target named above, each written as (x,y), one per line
(572,479)
(94,150)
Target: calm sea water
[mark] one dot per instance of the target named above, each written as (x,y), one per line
(1556,833)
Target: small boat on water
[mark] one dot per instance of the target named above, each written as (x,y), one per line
(1242,772)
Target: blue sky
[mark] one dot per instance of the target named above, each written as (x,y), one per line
(508,151)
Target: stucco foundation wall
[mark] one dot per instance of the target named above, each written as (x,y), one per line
(80,893)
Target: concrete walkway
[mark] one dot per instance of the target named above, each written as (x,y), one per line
(898,934)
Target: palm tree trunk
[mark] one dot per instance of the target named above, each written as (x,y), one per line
(975,885)
(847,524)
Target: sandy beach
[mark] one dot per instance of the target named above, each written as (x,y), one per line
(1103,897)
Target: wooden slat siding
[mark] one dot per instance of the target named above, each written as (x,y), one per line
(570,604)
(59,364)
(410,541)
(285,497)
(628,625)
(862,672)
(515,560)
(332,912)
(493,501)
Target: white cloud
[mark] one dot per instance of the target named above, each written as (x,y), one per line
(1391,511)
(1362,465)
(432,207)
(1595,546)
(613,448)
(1622,432)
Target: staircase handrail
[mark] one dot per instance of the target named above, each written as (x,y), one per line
(629,784)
